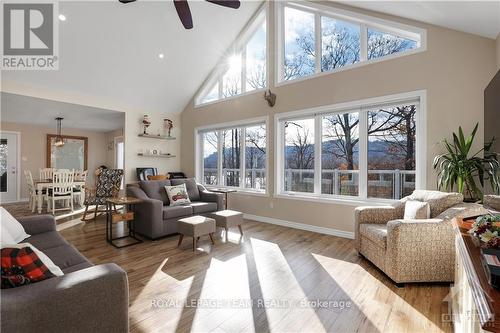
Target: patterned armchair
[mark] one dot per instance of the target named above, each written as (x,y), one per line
(107,186)
(412,250)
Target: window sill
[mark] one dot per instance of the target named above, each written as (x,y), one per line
(240,191)
(200,105)
(350,201)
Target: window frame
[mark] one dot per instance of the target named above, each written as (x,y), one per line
(362,107)
(365,22)
(243,124)
(237,47)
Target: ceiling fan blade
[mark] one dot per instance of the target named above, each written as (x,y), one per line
(226,3)
(126,1)
(184,13)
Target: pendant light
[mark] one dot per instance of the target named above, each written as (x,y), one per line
(59,139)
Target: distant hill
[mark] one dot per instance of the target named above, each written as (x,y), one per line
(377,150)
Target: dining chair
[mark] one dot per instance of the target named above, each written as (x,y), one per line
(62,189)
(32,191)
(79,190)
(46,173)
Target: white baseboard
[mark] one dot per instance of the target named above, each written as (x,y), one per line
(301,226)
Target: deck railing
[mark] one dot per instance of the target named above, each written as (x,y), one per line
(391,184)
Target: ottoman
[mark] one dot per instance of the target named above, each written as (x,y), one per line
(196,226)
(227,219)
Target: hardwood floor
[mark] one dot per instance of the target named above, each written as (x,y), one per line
(283,272)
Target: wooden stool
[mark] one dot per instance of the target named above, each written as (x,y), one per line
(196,226)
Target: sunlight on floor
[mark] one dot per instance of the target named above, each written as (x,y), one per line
(159,295)
(369,293)
(282,293)
(225,296)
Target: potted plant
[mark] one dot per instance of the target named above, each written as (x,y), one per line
(460,169)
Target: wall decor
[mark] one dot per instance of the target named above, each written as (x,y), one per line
(167,127)
(146,123)
(270,97)
(72,155)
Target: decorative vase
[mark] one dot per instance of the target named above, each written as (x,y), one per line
(146,123)
(167,126)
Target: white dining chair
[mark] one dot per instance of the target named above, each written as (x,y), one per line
(79,190)
(32,191)
(62,189)
(46,173)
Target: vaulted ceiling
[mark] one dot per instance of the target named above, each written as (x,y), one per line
(109,51)
(476,17)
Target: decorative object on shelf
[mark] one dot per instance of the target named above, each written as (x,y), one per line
(457,169)
(59,140)
(167,127)
(146,123)
(270,97)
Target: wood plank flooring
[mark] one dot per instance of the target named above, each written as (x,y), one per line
(273,279)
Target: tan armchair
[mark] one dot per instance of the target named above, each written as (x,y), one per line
(412,250)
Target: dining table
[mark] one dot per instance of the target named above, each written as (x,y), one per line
(45,184)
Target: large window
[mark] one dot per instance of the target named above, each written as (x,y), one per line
(316,39)
(242,70)
(234,156)
(365,151)
(299,155)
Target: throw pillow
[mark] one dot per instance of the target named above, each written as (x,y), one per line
(177,195)
(417,210)
(22,266)
(6,238)
(13,227)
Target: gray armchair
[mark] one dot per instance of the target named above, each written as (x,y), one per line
(412,250)
(154,218)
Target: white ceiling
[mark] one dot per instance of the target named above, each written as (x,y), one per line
(109,51)
(476,17)
(42,112)
(108,54)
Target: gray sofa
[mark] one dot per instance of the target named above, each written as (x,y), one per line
(154,218)
(86,298)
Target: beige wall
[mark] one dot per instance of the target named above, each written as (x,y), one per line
(498,51)
(34,149)
(454,70)
(133,144)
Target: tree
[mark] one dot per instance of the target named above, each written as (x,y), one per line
(301,155)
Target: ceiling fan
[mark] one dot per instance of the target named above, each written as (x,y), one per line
(182,8)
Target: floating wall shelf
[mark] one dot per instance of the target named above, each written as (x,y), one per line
(155,155)
(161,137)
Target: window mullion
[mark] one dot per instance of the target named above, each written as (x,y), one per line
(317,41)
(363,39)
(363,154)
(220,179)
(243,136)
(243,70)
(317,154)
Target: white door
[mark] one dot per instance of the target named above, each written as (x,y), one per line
(120,155)
(8,167)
